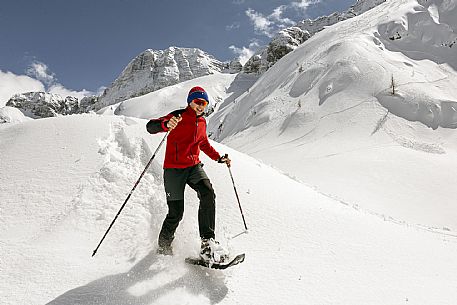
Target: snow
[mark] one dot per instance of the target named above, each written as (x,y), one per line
(67,177)
(12,115)
(164,100)
(347,188)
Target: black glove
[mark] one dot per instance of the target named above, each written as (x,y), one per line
(224,159)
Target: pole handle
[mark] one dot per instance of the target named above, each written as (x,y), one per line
(226,156)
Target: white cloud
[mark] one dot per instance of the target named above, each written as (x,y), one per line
(269,25)
(277,16)
(304,4)
(38,78)
(11,84)
(261,23)
(41,72)
(244,53)
(64,92)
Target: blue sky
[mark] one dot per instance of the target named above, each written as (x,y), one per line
(85,44)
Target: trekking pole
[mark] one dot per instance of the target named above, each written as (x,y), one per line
(236,193)
(130,194)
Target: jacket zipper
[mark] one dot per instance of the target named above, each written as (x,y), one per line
(195,139)
(176,147)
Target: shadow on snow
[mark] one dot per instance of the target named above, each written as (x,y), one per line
(113,289)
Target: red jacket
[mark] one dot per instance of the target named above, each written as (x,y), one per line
(185,141)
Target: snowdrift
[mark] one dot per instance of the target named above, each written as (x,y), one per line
(12,115)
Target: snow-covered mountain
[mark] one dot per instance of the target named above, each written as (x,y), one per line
(290,38)
(43,105)
(329,108)
(156,69)
(318,24)
(148,72)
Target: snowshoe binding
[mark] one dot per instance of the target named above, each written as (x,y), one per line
(212,252)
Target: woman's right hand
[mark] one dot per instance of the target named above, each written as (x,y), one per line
(173,122)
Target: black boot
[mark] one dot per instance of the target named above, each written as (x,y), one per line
(165,247)
(165,250)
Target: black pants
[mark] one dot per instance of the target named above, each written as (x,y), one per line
(175,180)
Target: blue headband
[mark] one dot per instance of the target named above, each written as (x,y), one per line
(197,95)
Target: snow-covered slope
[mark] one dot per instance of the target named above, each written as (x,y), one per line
(325,113)
(65,178)
(221,88)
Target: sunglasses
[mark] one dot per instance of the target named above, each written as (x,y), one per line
(200,102)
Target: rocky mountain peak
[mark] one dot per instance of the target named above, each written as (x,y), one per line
(42,104)
(282,43)
(288,39)
(155,69)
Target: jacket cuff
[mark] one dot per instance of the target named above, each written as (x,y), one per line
(217,157)
(164,125)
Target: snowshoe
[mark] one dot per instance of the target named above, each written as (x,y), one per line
(200,262)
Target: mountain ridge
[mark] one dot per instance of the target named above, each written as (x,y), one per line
(290,38)
(152,70)
(156,69)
